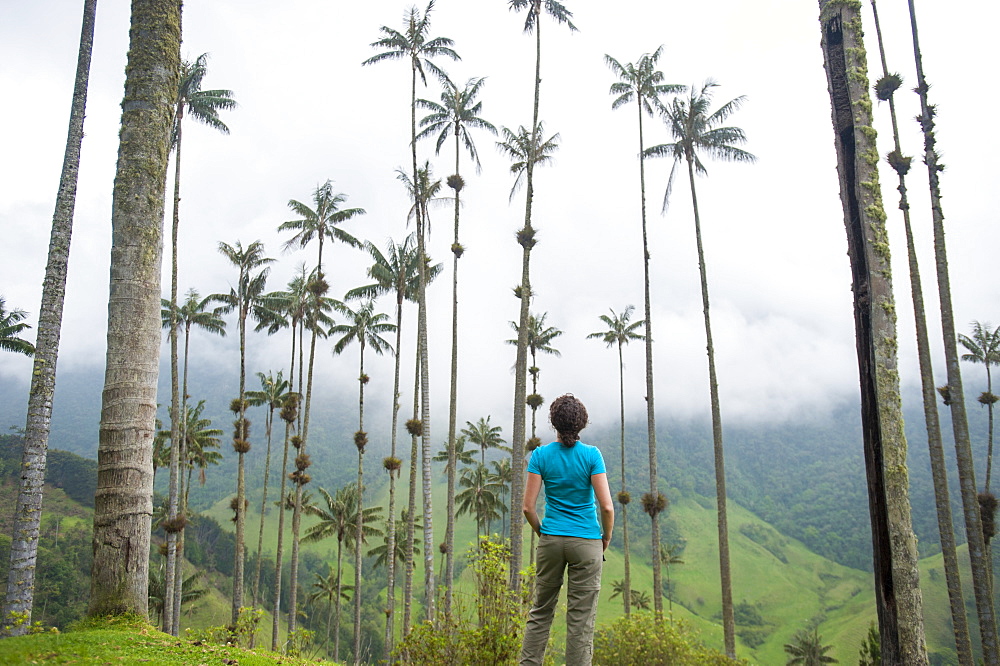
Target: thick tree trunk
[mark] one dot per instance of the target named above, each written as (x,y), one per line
(939,474)
(897,589)
(425,418)
(124,499)
(241,515)
(725,575)
(28,510)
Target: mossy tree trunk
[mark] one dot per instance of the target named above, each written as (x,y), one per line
(897,589)
(28,510)
(393,469)
(124,499)
(978,550)
(279,549)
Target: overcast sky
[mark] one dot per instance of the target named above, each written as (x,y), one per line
(773,231)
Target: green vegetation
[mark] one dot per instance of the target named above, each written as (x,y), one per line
(129,640)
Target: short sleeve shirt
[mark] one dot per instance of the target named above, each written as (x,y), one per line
(570,507)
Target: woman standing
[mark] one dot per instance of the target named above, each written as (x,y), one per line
(570,539)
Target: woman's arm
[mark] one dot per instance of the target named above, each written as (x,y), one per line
(531,489)
(603,494)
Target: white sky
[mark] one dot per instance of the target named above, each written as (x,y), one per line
(774,236)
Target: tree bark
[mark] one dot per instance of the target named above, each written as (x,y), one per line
(939,474)
(897,589)
(28,510)
(390,594)
(978,551)
(124,499)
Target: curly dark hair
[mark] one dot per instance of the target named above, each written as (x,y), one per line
(568,416)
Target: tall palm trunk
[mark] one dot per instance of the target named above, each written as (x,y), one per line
(390,594)
(28,510)
(359,525)
(172,524)
(269,422)
(243,433)
(628,567)
(123,502)
(279,550)
(526,238)
(725,575)
(411,507)
(456,250)
(981,565)
(936,449)
(336,621)
(425,418)
(989,448)
(897,587)
(182,489)
(300,466)
(653,505)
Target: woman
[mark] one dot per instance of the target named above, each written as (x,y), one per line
(570,537)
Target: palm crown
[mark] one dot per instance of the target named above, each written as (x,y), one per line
(553,8)
(518,147)
(640,82)
(11,326)
(321,221)
(619,331)
(202,105)
(696,129)
(455,115)
(414,44)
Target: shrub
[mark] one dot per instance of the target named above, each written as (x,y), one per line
(493,637)
(641,640)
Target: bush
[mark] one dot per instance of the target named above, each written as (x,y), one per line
(641,640)
(494,637)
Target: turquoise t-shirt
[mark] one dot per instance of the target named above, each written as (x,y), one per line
(570,509)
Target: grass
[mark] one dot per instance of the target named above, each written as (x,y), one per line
(128,641)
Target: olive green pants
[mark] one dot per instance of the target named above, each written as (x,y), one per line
(581,560)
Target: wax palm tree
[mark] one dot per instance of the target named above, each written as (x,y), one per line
(396,273)
(526,239)
(423,190)
(204,106)
(885,88)
(807,649)
(337,518)
(12,325)
(697,130)
(983,346)
(484,435)
(366,328)
(480,497)
(540,337)
(503,474)
(670,554)
(398,544)
(34,456)
(643,84)
(289,414)
(516,145)
(274,390)
(201,445)
(122,511)
(461,455)
(898,595)
(979,556)
(456,115)
(193,312)
(320,222)
(621,331)
(416,45)
(326,588)
(247,299)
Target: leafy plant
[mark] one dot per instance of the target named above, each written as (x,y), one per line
(640,639)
